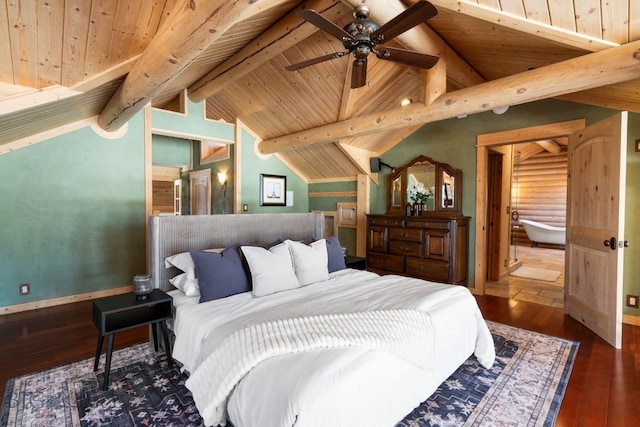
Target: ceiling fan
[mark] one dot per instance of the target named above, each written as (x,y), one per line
(362,37)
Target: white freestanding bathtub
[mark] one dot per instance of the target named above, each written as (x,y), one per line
(539,232)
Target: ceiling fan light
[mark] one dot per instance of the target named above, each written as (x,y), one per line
(501,110)
(405,102)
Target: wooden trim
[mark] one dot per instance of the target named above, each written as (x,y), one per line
(631,320)
(333,194)
(338,179)
(548,131)
(533,133)
(17,308)
(363,203)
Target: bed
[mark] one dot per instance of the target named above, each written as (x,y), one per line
(347,347)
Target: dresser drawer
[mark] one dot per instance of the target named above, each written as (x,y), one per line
(391,263)
(395,222)
(430,270)
(400,247)
(428,223)
(408,234)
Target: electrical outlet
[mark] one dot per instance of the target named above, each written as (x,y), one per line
(632,301)
(24,289)
(245,207)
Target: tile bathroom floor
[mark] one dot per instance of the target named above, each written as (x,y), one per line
(536,291)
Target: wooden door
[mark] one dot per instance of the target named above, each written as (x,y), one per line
(200,192)
(595,225)
(494,213)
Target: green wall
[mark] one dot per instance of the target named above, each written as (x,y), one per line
(73,215)
(170,151)
(253,165)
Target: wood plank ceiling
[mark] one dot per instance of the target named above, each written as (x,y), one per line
(67,60)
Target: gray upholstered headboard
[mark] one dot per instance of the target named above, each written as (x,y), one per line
(169,235)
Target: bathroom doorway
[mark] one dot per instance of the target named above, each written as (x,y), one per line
(521,174)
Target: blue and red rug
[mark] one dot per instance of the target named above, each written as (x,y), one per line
(524,387)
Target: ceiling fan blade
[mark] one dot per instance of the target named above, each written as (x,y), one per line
(407,57)
(313,61)
(324,24)
(419,12)
(359,73)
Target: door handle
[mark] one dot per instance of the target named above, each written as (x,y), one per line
(611,243)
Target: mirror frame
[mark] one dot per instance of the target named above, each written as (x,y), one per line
(402,172)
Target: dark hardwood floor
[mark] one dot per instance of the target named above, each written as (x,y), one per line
(604,389)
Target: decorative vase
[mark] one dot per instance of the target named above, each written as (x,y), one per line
(142,286)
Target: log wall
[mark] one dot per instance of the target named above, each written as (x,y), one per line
(539,191)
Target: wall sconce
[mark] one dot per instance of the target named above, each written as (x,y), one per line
(222,180)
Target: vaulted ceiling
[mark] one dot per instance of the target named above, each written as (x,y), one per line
(66,60)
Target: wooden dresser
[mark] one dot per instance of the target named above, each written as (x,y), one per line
(434,248)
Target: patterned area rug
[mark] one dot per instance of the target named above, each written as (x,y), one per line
(524,388)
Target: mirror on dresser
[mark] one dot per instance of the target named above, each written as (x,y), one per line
(423,233)
(424,187)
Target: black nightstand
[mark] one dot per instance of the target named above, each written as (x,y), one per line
(356,262)
(121,312)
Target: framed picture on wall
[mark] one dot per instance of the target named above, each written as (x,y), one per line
(273,190)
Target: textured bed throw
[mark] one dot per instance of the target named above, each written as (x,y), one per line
(404,333)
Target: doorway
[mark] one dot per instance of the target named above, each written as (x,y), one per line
(496,155)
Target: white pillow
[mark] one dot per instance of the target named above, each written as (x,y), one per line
(310,262)
(190,287)
(182,261)
(187,282)
(271,270)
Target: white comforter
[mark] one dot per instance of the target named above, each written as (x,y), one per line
(332,386)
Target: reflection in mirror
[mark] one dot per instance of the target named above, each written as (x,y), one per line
(421,182)
(448,188)
(396,195)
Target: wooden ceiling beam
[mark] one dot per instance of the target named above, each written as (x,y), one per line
(549,145)
(191,28)
(287,32)
(528,26)
(614,65)
(422,39)
(290,31)
(433,82)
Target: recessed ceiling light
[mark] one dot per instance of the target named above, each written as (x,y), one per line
(405,102)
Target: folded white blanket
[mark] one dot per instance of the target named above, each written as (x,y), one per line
(405,333)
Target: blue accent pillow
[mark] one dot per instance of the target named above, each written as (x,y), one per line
(272,244)
(334,254)
(220,275)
